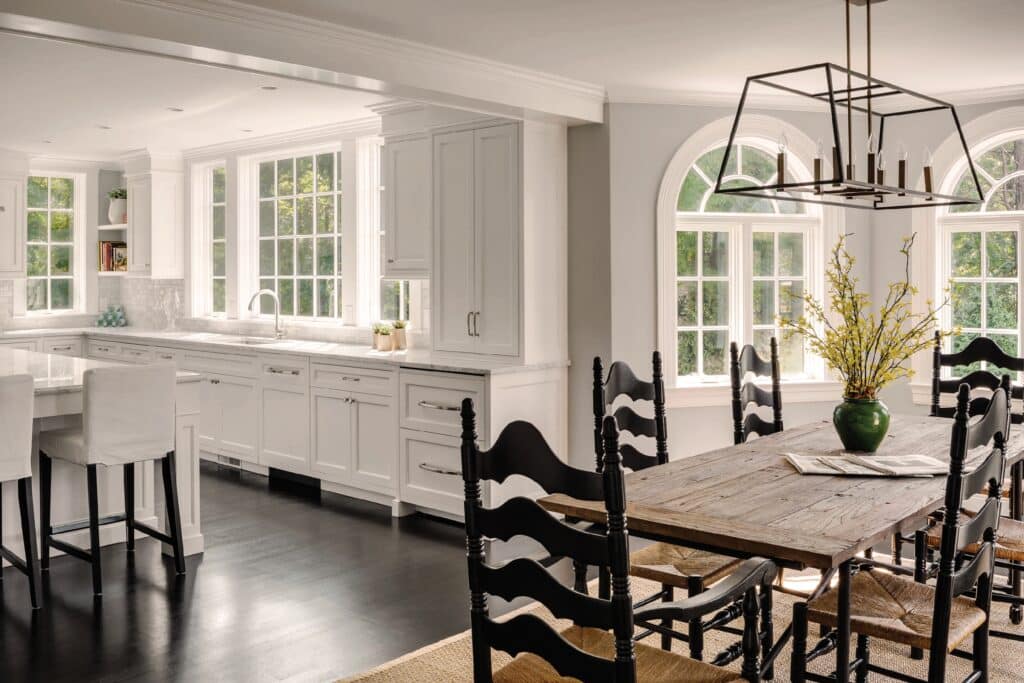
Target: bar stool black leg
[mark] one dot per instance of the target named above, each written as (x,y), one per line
(45,476)
(28,534)
(129,506)
(94,531)
(173,511)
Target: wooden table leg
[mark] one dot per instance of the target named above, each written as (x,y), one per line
(843,625)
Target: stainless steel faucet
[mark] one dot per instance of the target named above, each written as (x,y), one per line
(278,332)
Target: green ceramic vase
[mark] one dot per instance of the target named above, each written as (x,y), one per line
(861,423)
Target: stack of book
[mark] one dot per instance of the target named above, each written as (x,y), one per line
(113,257)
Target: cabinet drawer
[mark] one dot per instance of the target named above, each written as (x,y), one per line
(71,346)
(135,353)
(348,378)
(104,349)
(164,355)
(285,372)
(431,401)
(220,363)
(431,471)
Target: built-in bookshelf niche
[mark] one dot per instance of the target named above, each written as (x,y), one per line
(112,256)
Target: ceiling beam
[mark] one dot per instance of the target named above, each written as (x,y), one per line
(230,34)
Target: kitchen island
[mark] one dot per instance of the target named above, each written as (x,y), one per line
(58,403)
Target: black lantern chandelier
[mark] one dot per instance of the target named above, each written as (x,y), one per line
(875,113)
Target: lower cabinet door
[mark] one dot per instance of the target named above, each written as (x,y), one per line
(430,471)
(374,442)
(239,409)
(210,417)
(332,435)
(284,425)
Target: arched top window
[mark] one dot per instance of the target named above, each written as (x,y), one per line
(741,263)
(1001,176)
(747,164)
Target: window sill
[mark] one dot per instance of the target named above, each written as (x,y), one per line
(720,394)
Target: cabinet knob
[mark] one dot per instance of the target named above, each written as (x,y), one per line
(391,260)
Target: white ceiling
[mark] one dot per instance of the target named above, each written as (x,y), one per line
(703,46)
(64,92)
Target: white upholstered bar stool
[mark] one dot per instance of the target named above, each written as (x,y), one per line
(127,417)
(17,396)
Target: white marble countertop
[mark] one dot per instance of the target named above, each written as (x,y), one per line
(419,359)
(58,374)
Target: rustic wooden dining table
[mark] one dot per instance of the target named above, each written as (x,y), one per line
(747,500)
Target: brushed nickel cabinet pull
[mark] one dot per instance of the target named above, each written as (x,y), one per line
(437,406)
(476,323)
(285,371)
(427,467)
(468,331)
(346,378)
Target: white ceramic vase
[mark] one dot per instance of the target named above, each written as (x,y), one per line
(117,213)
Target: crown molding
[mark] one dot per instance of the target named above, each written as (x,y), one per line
(693,98)
(396,107)
(356,128)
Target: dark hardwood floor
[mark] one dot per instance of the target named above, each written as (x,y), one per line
(292,586)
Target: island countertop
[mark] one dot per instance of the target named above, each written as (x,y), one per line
(59,374)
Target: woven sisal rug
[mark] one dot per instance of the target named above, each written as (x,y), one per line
(450,659)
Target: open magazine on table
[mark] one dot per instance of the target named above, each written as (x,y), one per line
(853,465)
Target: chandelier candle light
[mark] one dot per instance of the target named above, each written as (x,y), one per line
(876,108)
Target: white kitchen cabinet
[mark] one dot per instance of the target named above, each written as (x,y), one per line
(23,344)
(431,471)
(12,226)
(476,240)
(332,435)
(374,442)
(62,346)
(452,283)
(284,406)
(407,215)
(229,413)
(156,216)
(354,439)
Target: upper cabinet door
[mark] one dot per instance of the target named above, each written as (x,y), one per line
(454,227)
(407,214)
(12,227)
(496,321)
(140,202)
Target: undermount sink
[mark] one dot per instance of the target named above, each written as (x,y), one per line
(256,341)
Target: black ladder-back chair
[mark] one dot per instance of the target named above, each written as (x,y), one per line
(958,576)
(604,656)
(979,349)
(742,362)
(670,565)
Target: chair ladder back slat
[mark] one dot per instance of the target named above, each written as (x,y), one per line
(973,530)
(505,458)
(983,349)
(630,421)
(633,459)
(528,633)
(755,424)
(989,472)
(523,577)
(622,382)
(522,516)
(751,393)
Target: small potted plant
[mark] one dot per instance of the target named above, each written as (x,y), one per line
(867,347)
(399,334)
(384,339)
(117,212)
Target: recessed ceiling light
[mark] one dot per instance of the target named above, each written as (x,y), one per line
(246,130)
(268,87)
(47,142)
(103,126)
(176,109)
